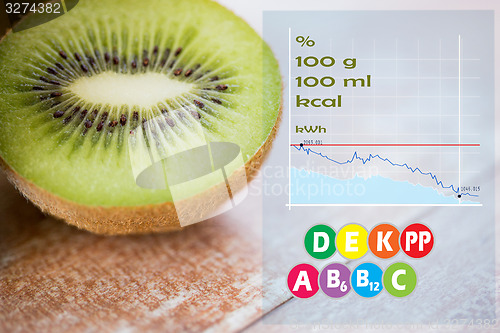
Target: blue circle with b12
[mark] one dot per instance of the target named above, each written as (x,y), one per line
(366,280)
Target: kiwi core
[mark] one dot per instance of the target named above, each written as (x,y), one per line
(142,90)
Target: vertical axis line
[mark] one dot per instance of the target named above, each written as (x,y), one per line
(397,102)
(418,101)
(440,104)
(459,114)
(289,118)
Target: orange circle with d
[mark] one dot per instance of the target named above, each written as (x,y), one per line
(384,240)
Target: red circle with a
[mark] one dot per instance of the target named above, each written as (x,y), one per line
(417,240)
(303,281)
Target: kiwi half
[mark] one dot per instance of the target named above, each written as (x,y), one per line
(72,91)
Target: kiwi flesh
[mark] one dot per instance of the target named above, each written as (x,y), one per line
(74,89)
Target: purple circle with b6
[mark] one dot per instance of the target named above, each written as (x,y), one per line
(335,280)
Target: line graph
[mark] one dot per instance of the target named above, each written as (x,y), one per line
(356,157)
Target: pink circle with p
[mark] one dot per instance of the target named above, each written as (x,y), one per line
(303,281)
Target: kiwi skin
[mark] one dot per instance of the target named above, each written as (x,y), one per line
(134,220)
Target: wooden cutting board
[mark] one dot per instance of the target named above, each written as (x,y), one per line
(54,277)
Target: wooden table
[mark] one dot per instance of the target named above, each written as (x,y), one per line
(54,277)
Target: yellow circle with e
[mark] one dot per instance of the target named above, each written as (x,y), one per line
(352,241)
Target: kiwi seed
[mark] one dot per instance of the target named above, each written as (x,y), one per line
(198,104)
(58,114)
(123,120)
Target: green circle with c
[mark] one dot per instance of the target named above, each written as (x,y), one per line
(400,279)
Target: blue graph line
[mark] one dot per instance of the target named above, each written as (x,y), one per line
(370,157)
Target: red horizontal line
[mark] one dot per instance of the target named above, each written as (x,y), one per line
(390,145)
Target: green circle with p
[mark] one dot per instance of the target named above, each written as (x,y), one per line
(400,279)
(320,241)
